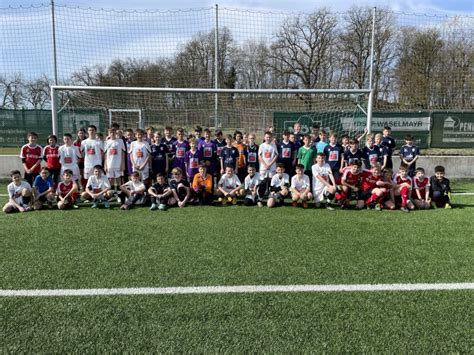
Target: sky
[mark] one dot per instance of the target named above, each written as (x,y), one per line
(407,6)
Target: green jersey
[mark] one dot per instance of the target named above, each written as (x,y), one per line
(306,156)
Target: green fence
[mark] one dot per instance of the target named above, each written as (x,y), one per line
(15,124)
(452,130)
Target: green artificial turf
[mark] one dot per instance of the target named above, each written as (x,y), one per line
(236,245)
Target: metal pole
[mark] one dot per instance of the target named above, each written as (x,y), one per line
(216,67)
(372,49)
(369,112)
(54,110)
(53,27)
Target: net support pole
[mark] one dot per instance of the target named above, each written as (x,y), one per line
(216,67)
(54,111)
(369,111)
(371,68)
(53,37)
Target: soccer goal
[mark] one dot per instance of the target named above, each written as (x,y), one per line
(343,111)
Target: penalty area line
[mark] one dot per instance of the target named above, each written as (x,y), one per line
(237,289)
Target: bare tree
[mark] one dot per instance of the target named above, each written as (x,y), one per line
(250,61)
(12,91)
(301,48)
(38,92)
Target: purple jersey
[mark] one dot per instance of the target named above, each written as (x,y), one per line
(179,152)
(209,153)
(192,161)
(129,159)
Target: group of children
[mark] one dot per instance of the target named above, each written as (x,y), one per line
(144,167)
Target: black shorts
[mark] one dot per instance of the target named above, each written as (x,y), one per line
(364,195)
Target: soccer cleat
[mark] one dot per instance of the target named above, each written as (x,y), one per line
(95,205)
(219,199)
(106,204)
(448,206)
(153,207)
(234,201)
(305,204)
(229,199)
(404,209)
(378,207)
(223,201)
(75,206)
(259,204)
(294,204)
(162,207)
(329,207)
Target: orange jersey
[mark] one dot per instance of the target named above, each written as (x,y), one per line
(200,181)
(241,160)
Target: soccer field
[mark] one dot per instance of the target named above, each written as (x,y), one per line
(235,245)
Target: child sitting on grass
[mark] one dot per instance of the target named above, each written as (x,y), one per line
(202,185)
(67,191)
(160,192)
(19,194)
(300,187)
(132,192)
(229,187)
(43,189)
(278,187)
(98,188)
(440,191)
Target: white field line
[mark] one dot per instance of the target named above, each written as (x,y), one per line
(237,289)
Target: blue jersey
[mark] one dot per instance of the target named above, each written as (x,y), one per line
(320,146)
(409,153)
(219,146)
(370,155)
(383,151)
(251,156)
(333,156)
(351,157)
(159,154)
(43,185)
(229,156)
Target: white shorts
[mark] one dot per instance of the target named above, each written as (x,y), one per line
(114,173)
(88,172)
(319,193)
(76,175)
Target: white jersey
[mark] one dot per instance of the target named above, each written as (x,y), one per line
(68,156)
(251,182)
(323,171)
(300,184)
(139,151)
(135,186)
(98,184)
(278,181)
(229,183)
(14,191)
(92,150)
(267,152)
(114,149)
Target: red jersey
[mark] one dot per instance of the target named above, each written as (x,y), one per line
(398,180)
(369,180)
(52,157)
(77,143)
(350,178)
(31,155)
(421,185)
(63,188)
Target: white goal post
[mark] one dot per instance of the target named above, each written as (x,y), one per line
(119,110)
(90,94)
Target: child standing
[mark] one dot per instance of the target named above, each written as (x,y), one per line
(69,155)
(92,149)
(229,187)
(389,142)
(180,147)
(251,152)
(409,154)
(43,189)
(159,157)
(229,155)
(353,154)
(334,156)
(287,153)
(193,158)
(306,155)
(67,191)
(132,192)
(31,155)
(383,152)
(322,143)
(51,156)
(98,188)
(209,153)
(241,163)
(19,194)
(114,159)
(370,153)
(140,156)
(278,187)
(267,157)
(440,190)
(300,187)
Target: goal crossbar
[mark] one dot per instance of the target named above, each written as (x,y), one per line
(55,88)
